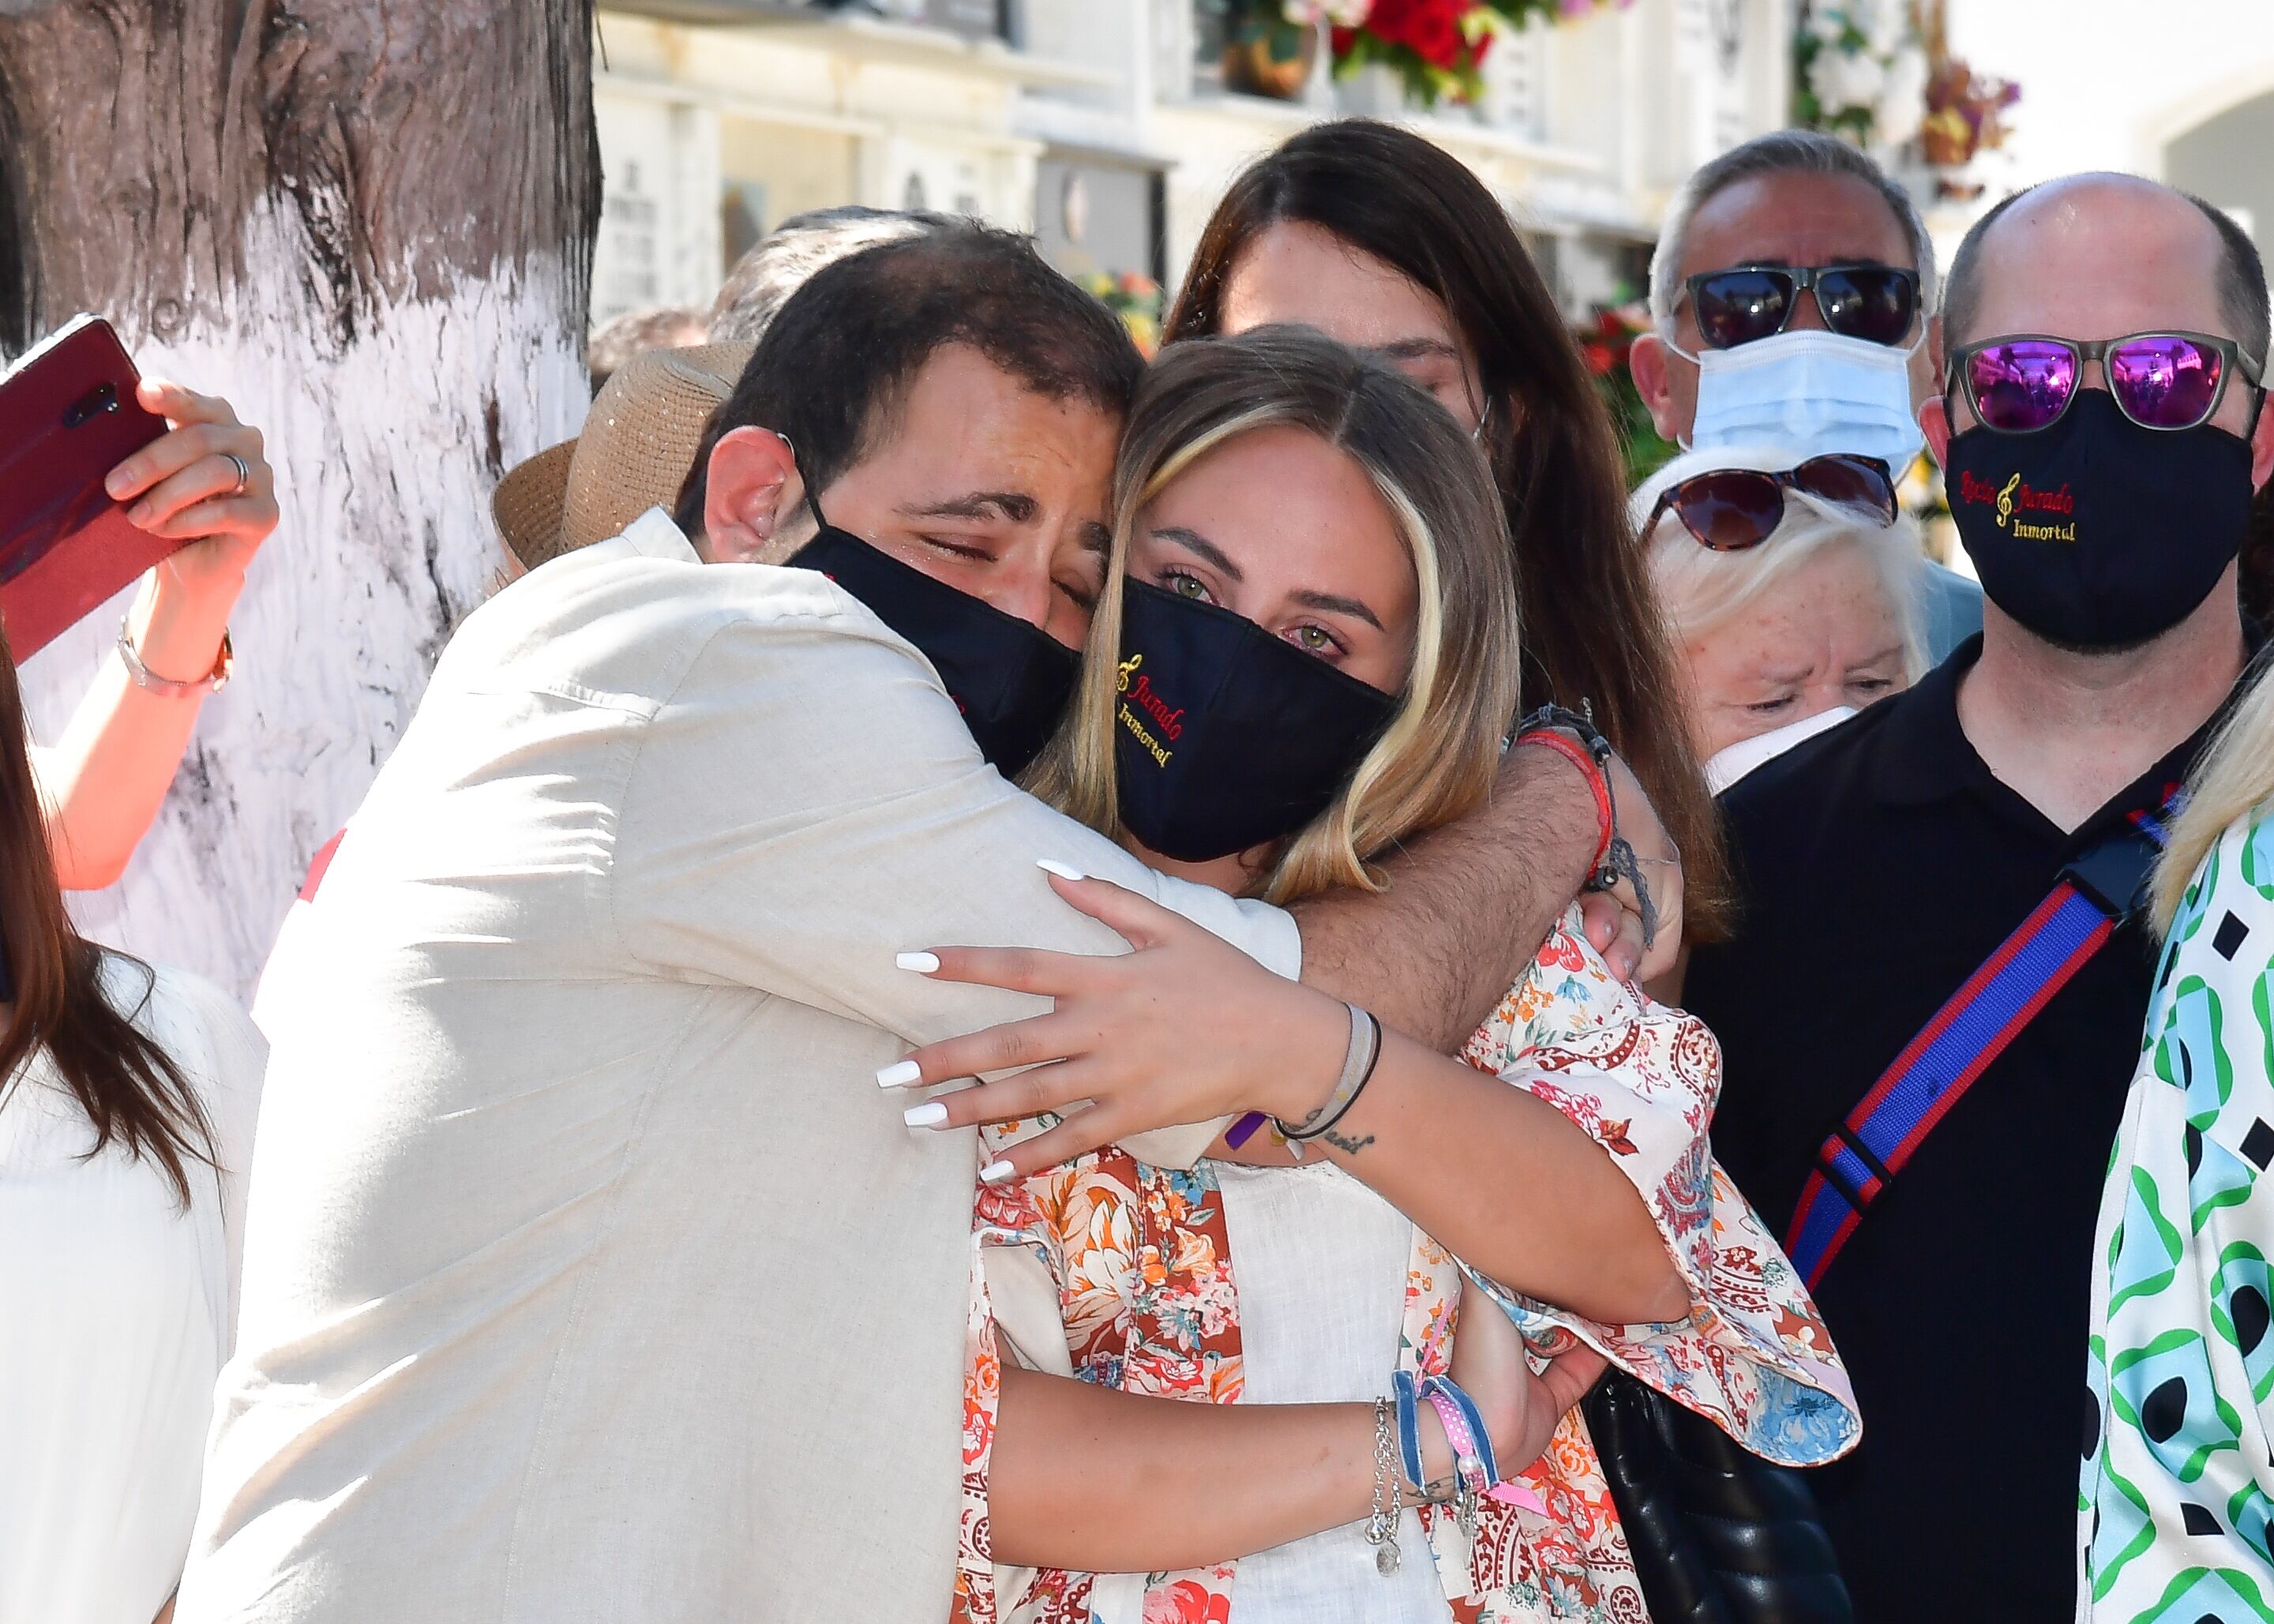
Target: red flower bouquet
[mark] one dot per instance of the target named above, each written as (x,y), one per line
(1437,46)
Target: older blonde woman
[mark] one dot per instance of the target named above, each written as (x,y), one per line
(1792,585)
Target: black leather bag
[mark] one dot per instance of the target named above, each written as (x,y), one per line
(1719,1536)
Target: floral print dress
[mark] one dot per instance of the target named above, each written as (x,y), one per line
(1140,1263)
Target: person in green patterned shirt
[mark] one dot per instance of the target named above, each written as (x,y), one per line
(2177,1503)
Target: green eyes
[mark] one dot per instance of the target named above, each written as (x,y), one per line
(1310,639)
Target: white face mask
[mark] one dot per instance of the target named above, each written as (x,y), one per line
(1818,392)
(1726,767)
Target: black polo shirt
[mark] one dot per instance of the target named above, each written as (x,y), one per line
(1880,864)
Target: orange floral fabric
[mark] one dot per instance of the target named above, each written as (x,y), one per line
(1147,1290)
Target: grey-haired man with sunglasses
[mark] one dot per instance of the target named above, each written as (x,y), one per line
(1791,302)
(1933,1008)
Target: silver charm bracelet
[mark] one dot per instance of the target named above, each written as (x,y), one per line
(1388,1491)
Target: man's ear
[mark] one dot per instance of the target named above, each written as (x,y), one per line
(1927,363)
(1934,422)
(752,495)
(1646,361)
(2262,447)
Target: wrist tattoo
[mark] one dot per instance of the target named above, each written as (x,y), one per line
(1344,1143)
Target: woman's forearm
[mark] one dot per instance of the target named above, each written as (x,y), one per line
(1509,1185)
(1089,1479)
(106,777)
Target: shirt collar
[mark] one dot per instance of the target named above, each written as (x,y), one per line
(1928,756)
(653,535)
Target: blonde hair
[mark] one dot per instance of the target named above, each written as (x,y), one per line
(2234,778)
(1438,756)
(1703,590)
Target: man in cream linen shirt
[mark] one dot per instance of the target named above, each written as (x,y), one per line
(589,1274)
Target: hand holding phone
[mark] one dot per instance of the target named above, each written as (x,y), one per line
(69,414)
(185,487)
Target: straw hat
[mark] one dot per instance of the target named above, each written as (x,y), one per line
(639,441)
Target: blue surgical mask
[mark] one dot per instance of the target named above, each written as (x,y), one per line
(1817,392)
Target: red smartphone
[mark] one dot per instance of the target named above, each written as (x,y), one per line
(68,416)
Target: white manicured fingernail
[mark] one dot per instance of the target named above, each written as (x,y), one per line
(995,1172)
(922,963)
(1065,871)
(899,1074)
(929,1116)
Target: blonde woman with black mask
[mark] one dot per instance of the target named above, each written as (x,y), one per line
(1236,1391)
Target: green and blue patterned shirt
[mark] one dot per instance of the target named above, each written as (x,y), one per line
(2178,1491)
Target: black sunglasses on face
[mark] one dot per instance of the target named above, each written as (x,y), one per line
(1733,508)
(1875,303)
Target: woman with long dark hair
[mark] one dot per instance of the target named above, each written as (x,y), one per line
(127,1097)
(1376,237)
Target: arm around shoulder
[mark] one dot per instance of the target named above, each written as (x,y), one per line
(1466,908)
(808,805)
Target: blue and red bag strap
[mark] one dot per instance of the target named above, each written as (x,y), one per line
(1856,1162)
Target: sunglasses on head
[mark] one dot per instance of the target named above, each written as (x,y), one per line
(2024,382)
(1875,303)
(1733,508)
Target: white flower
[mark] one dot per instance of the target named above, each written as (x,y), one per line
(1887,28)
(1827,23)
(1841,81)
(1902,104)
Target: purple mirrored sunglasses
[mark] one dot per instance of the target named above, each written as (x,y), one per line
(2024,382)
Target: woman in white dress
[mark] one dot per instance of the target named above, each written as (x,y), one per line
(127,1099)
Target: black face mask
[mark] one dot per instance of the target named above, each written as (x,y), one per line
(2096,533)
(1011,679)
(1225,736)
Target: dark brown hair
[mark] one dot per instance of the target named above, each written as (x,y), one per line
(839,355)
(1592,630)
(131,1091)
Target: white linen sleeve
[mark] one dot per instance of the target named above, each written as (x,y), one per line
(809,804)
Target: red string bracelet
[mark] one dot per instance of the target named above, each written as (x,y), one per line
(1592,770)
